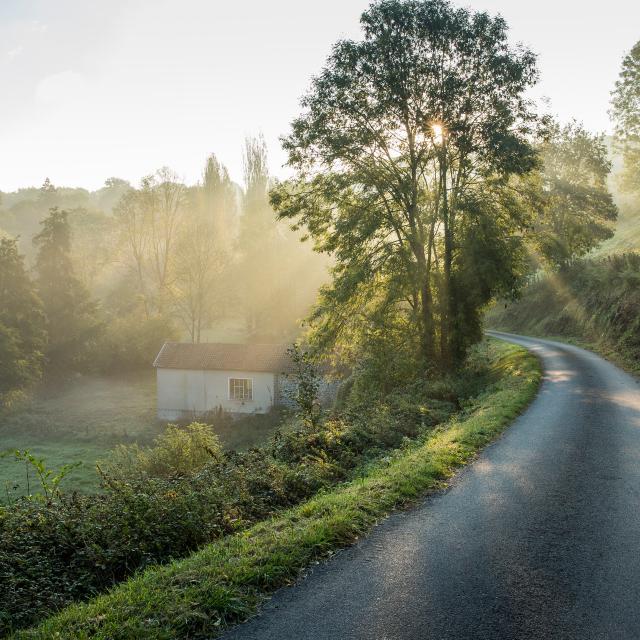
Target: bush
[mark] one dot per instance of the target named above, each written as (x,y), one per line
(179,451)
(165,501)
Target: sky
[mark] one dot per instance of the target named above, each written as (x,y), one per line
(91,90)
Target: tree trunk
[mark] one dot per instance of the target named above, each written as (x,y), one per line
(446,314)
(427,337)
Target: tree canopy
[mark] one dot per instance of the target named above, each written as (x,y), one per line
(626,115)
(72,319)
(407,157)
(577,210)
(22,326)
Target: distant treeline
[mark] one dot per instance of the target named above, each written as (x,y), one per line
(96,281)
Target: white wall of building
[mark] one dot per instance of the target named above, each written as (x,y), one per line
(185,393)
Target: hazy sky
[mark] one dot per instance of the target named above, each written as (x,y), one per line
(122,87)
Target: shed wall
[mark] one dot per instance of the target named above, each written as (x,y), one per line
(184,393)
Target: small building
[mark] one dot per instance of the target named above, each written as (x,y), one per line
(193,379)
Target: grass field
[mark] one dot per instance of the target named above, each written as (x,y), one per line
(78,421)
(84,418)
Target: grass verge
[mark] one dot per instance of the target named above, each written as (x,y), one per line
(600,346)
(222,584)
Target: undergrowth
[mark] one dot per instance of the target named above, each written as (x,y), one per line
(595,303)
(163,503)
(222,583)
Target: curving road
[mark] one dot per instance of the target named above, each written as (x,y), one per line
(539,538)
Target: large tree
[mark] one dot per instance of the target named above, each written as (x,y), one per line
(72,318)
(256,274)
(626,114)
(22,326)
(149,218)
(407,157)
(203,251)
(577,211)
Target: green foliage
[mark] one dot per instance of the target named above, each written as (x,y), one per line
(179,451)
(122,269)
(577,212)
(72,317)
(14,376)
(24,209)
(22,327)
(305,387)
(85,417)
(165,501)
(626,115)
(48,479)
(132,341)
(412,182)
(387,357)
(595,300)
(200,596)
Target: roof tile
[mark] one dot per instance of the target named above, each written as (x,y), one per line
(224,357)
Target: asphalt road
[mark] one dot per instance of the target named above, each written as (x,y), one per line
(539,538)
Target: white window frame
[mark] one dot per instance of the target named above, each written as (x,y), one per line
(244,399)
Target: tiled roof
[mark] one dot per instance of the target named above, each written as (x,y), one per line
(224,357)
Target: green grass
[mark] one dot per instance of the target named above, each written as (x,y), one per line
(601,346)
(82,419)
(79,420)
(223,583)
(627,231)
(592,303)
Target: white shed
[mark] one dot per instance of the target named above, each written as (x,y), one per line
(240,378)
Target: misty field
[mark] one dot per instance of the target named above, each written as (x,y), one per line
(83,419)
(79,421)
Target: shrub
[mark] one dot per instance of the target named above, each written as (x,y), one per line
(304,392)
(165,501)
(179,451)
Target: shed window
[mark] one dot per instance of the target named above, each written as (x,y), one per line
(240,388)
